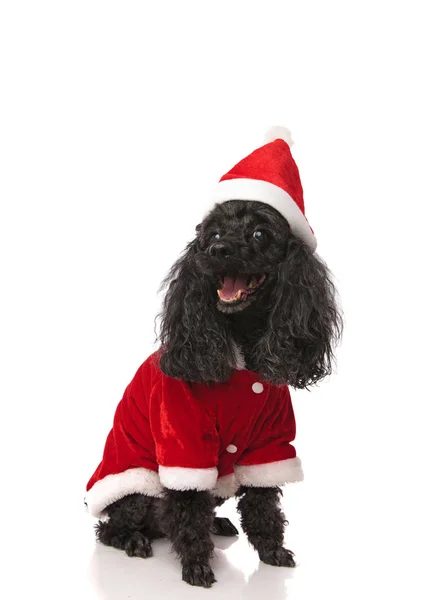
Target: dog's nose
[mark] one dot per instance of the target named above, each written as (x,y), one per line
(220,250)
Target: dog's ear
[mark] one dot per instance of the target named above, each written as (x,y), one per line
(304,324)
(195,341)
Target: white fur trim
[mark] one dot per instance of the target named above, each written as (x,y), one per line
(270,474)
(113,487)
(225,486)
(269,193)
(181,478)
(279,133)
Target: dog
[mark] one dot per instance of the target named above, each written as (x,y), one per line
(247,293)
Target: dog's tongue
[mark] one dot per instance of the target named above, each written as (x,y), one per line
(231,285)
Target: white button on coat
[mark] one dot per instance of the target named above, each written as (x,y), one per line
(257,387)
(232,449)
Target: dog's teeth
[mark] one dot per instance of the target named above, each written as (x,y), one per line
(236,297)
(253,282)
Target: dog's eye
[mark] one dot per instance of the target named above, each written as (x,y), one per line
(216,235)
(259,235)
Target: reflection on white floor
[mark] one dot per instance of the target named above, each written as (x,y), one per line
(352,529)
(342,547)
(239,573)
(352,540)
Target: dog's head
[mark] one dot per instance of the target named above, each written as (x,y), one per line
(239,247)
(246,276)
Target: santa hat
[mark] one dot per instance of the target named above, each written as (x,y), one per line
(270,175)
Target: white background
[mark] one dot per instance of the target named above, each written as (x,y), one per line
(116,120)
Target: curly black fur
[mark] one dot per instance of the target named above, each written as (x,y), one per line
(187,518)
(264,523)
(194,338)
(131,526)
(287,329)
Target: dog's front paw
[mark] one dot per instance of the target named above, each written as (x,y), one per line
(278,557)
(198,574)
(223,526)
(138,545)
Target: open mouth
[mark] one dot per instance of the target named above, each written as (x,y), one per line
(237,288)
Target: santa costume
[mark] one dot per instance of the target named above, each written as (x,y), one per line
(168,433)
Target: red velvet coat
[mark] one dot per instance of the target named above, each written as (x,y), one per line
(180,435)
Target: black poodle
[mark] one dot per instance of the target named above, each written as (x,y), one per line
(245,281)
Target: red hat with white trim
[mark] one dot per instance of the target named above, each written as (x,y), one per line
(270,175)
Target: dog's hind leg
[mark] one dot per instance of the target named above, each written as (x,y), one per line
(186,518)
(264,523)
(131,525)
(222,525)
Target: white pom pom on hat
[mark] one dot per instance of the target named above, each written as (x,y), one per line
(269,175)
(278,133)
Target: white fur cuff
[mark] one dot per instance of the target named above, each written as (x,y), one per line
(181,478)
(270,474)
(225,486)
(114,487)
